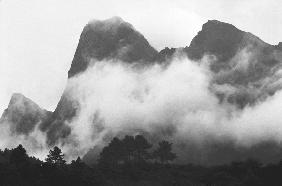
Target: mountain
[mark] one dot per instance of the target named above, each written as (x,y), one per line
(240,62)
(110,39)
(245,70)
(23,115)
(243,62)
(166,54)
(225,41)
(217,38)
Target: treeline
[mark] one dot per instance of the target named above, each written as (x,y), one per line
(135,150)
(130,161)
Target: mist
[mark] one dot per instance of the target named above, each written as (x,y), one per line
(175,101)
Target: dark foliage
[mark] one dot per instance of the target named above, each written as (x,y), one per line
(163,152)
(130,162)
(130,150)
(55,156)
(18,169)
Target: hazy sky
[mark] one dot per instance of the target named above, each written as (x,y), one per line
(38,38)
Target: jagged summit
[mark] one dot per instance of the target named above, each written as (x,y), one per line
(110,39)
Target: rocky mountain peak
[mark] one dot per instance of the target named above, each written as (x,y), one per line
(23,114)
(20,99)
(218,38)
(111,39)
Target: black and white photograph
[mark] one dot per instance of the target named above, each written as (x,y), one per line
(140,92)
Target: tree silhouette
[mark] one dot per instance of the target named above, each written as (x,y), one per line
(77,161)
(113,153)
(163,152)
(129,148)
(17,168)
(141,147)
(55,156)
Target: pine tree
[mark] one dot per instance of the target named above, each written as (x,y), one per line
(55,156)
(112,154)
(128,148)
(141,147)
(163,152)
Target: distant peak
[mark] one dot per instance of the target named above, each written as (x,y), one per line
(112,20)
(112,23)
(214,21)
(111,39)
(19,98)
(17,95)
(213,24)
(115,19)
(218,38)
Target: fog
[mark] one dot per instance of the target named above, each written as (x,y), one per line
(174,101)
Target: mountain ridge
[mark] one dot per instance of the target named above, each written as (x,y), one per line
(116,40)
(215,38)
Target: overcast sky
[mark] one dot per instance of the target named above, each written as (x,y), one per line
(38,38)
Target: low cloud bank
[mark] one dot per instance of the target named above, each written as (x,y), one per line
(176,101)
